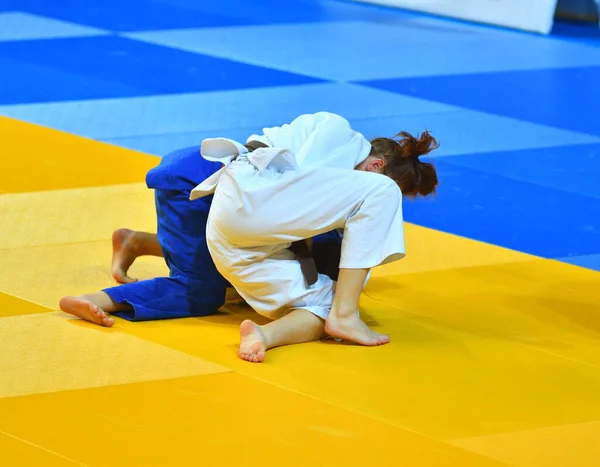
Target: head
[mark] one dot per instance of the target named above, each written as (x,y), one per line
(398,158)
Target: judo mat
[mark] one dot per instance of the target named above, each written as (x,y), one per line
(494,314)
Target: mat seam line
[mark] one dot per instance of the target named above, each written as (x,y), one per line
(29,443)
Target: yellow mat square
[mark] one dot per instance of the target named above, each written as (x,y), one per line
(432,250)
(559,446)
(17,453)
(45,274)
(445,380)
(225,419)
(49,352)
(50,160)
(14,306)
(77,215)
(549,305)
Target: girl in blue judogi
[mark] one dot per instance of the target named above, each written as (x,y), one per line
(194,286)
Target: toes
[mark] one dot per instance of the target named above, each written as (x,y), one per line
(127,280)
(121,276)
(383,340)
(252,358)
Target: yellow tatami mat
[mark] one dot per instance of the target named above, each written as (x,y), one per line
(19,452)
(494,359)
(446,381)
(46,159)
(46,353)
(556,446)
(74,215)
(226,419)
(13,306)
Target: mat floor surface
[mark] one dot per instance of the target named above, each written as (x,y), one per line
(494,314)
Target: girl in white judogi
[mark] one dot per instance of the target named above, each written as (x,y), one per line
(316,175)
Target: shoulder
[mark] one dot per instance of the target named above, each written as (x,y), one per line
(188,160)
(323,117)
(182,154)
(332,117)
(181,169)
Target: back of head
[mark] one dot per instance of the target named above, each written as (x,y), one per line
(402,164)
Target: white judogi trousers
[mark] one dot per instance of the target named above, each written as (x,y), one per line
(256,214)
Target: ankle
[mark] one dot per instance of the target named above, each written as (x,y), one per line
(269,337)
(86,298)
(344,312)
(136,243)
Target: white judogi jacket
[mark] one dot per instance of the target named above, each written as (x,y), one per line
(313,140)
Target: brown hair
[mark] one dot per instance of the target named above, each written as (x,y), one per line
(401,154)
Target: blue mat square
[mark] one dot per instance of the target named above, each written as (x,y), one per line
(147,15)
(587,261)
(111,66)
(510,213)
(293,11)
(361,50)
(15,26)
(561,97)
(27,83)
(123,15)
(568,168)
(469,132)
(215,111)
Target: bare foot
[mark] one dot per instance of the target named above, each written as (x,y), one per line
(252,342)
(354,329)
(86,310)
(124,254)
